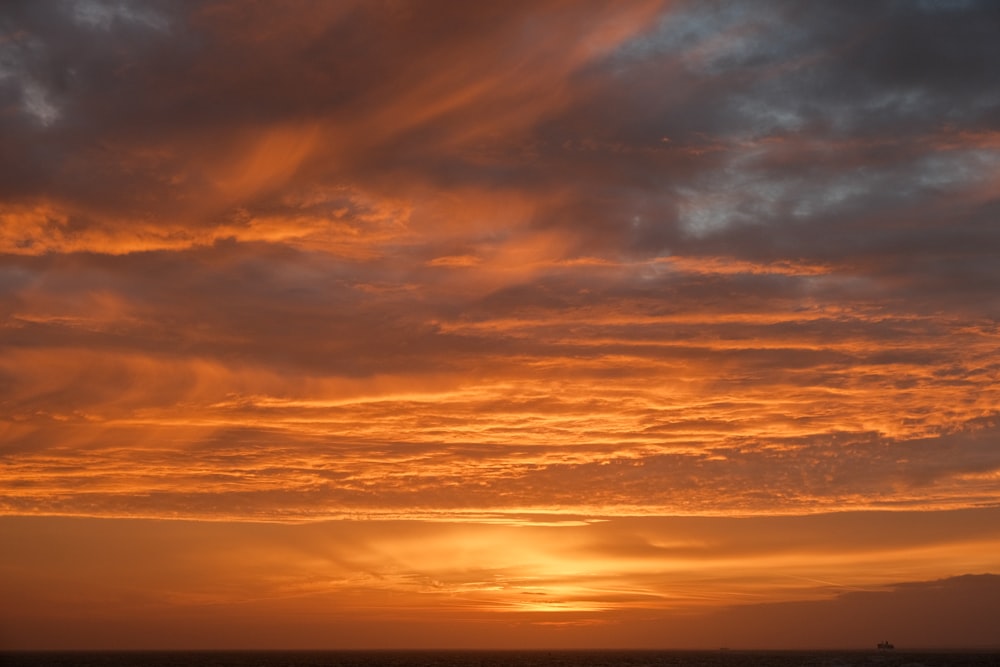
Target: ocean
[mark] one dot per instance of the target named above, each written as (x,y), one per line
(722,658)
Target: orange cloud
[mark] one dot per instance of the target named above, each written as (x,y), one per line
(551,322)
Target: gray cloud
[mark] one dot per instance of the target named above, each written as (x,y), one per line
(216,207)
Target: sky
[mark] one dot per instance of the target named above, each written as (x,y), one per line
(434,324)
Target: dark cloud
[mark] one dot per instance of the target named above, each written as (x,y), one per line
(740,241)
(629,311)
(935,614)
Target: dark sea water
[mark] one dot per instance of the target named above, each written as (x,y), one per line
(501,659)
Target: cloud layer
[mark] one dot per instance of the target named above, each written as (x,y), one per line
(579,268)
(697,258)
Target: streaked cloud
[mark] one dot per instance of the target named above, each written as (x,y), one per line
(580,264)
(623,582)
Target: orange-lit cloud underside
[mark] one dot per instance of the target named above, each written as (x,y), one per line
(506,291)
(600,405)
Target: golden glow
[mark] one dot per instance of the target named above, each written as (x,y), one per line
(488,326)
(532,575)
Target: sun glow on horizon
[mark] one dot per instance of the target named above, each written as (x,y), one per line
(436,324)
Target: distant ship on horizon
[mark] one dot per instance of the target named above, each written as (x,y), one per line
(885,646)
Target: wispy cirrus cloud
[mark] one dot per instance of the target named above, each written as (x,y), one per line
(441,262)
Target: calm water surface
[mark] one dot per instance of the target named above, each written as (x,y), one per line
(502,659)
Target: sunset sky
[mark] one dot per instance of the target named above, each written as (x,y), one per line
(389,323)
